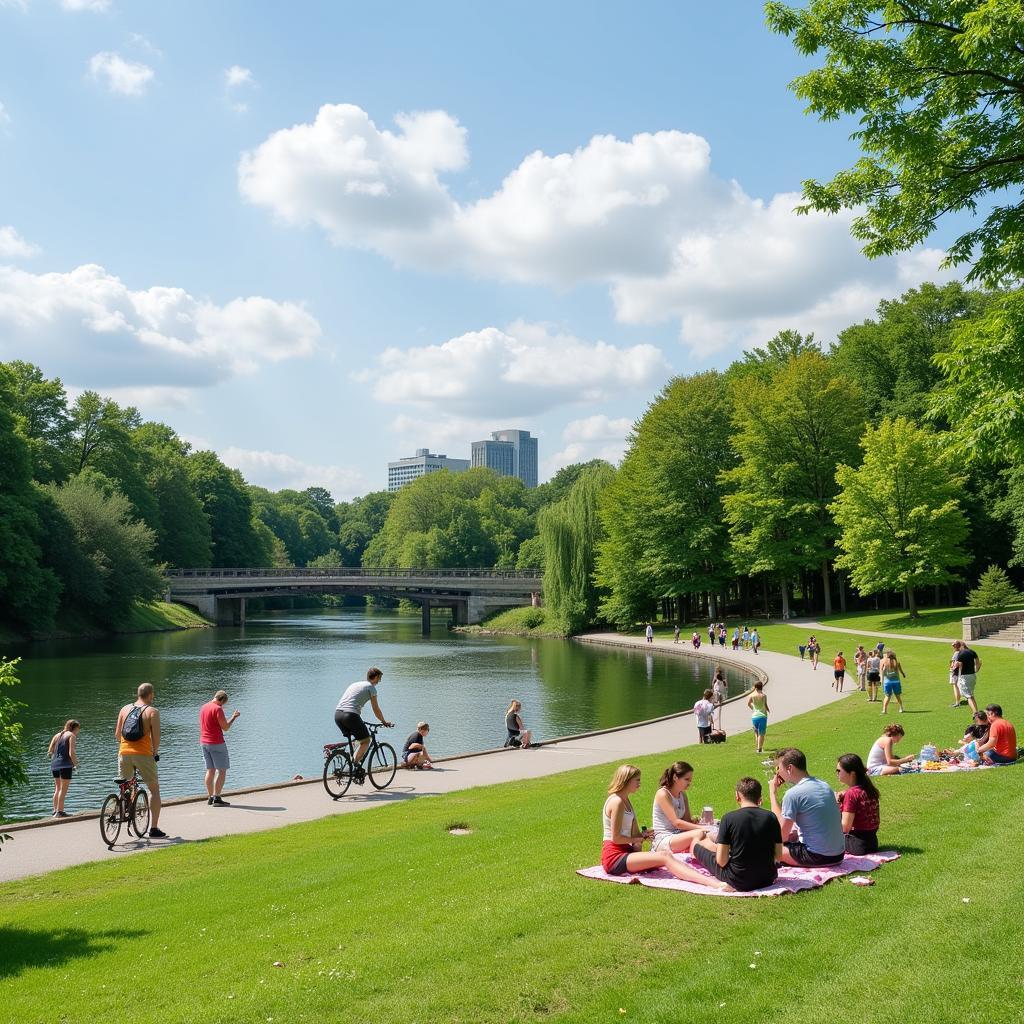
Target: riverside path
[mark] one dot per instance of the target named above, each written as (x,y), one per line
(793,688)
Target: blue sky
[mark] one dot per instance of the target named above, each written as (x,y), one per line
(209,210)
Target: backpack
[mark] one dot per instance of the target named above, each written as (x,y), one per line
(132,728)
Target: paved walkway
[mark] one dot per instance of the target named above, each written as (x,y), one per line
(792,687)
(813,627)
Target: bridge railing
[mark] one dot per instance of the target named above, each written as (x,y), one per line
(356,572)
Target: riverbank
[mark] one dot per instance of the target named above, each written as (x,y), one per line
(515,622)
(495,925)
(143,617)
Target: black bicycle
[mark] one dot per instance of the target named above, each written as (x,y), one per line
(340,769)
(128,806)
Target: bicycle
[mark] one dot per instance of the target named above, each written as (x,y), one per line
(340,769)
(128,806)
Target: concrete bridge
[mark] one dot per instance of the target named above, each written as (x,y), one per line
(471,594)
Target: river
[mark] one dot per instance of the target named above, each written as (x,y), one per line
(285,672)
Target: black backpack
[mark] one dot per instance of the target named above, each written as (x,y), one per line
(132,728)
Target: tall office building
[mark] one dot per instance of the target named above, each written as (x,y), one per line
(509,453)
(405,470)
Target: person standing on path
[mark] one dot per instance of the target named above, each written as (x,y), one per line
(891,685)
(711,634)
(755,640)
(348,715)
(721,634)
(759,711)
(860,659)
(649,633)
(814,649)
(704,713)
(874,675)
(968,664)
(839,666)
(212,726)
(675,634)
(719,691)
(63,761)
(138,735)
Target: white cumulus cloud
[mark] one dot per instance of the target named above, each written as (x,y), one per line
(526,369)
(95,331)
(594,437)
(646,217)
(13,246)
(276,470)
(236,75)
(119,75)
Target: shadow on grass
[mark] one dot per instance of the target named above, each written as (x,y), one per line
(904,851)
(23,948)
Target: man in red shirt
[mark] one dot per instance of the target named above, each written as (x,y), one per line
(212,726)
(1001,745)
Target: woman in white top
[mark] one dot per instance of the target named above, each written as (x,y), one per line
(881,759)
(621,851)
(673,826)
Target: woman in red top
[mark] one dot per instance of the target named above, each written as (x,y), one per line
(859,804)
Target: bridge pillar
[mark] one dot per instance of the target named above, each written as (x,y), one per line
(230,611)
(425,610)
(460,613)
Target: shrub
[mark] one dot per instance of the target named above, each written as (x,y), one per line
(994,590)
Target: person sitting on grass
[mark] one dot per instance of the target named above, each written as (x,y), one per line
(748,844)
(976,732)
(414,750)
(1000,747)
(671,821)
(622,849)
(881,759)
(858,804)
(704,713)
(518,735)
(812,827)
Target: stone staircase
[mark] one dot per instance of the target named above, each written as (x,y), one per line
(1012,635)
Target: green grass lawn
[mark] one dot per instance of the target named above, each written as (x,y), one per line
(937,622)
(384,916)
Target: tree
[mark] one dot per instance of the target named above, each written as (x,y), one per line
(902,525)
(41,415)
(938,87)
(784,346)
(790,432)
(994,590)
(571,531)
(12,749)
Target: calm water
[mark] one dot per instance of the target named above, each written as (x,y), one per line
(285,673)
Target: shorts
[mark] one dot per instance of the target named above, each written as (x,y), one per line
(146,764)
(760,724)
(62,773)
(873,678)
(661,841)
(704,731)
(892,687)
(614,857)
(216,756)
(351,724)
(809,859)
(708,859)
(876,769)
(967,684)
(860,842)
(997,758)
(839,673)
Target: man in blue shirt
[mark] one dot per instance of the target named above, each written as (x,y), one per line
(811,823)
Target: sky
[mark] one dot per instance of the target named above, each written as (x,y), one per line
(317,236)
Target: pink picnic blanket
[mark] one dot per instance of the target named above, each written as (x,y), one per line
(789,880)
(963,766)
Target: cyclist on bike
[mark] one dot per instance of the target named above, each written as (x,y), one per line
(348,714)
(142,721)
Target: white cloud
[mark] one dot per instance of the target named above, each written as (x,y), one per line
(646,217)
(5,118)
(275,470)
(121,76)
(17,5)
(595,437)
(95,331)
(96,6)
(235,76)
(13,246)
(524,370)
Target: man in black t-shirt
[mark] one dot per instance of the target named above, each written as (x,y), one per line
(969,663)
(414,750)
(749,842)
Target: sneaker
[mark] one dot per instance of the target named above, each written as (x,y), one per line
(217,802)
(359,776)
(62,814)
(157,833)
(209,799)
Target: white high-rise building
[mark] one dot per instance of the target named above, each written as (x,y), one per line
(510,453)
(405,470)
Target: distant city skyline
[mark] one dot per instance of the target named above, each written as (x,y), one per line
(508,452)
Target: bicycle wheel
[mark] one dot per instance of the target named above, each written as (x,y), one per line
(337,774)
(139,820)
(381,765)
(110,820)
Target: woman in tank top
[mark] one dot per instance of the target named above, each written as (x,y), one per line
(881,759)
(622,849)
(517,735)
(759,711)
(63,761)
(673,826)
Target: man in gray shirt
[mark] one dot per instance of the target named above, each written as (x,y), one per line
(348,716)
(811,822)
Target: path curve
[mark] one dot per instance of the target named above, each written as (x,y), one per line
(807,624)
(38,847)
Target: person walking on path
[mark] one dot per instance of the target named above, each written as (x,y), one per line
(755,640)
(721,634)
(348,715)
(63,761)
(711,634)
(649,632)
(212,726)
(814,649)
(719,691)
(675,634)
(968,664)
(839,666)
(860,659)
(138,735)
(891,685)
(704,713)
(759,711)
(873,665)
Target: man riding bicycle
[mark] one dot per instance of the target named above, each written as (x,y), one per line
(348,715)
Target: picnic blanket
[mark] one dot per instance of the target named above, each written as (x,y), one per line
(939,767)
(790,879)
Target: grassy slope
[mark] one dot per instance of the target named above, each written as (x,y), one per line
(383,916)
(144,617)
(937,622)
(517,622)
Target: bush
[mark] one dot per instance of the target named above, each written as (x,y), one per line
(994,590)
(532,618)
